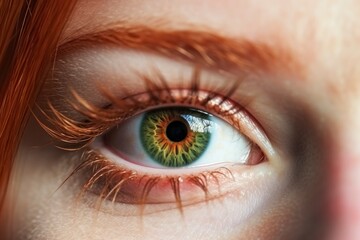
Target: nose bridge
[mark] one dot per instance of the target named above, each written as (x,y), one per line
(344,174)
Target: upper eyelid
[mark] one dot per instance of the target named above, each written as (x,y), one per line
(244,99)
(245,119)
(198,47)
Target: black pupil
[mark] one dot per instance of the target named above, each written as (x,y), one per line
(176,131)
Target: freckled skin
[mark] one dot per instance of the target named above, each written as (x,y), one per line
(312,116)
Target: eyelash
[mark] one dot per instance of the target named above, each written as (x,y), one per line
(102,181)
(79,134)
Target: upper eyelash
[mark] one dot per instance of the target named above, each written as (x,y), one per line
(75,134)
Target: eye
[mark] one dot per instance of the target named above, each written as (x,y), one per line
(167,146)
(176,137)
(178,155)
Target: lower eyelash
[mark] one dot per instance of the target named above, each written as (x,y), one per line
(108,180)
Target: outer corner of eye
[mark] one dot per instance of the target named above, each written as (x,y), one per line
(180,137)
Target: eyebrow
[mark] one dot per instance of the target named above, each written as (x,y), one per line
(200,47)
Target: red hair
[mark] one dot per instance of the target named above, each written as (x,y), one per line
(30,31)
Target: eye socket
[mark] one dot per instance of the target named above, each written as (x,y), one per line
(178,137)
(121,159)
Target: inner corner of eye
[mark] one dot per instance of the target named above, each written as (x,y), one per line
(177,138)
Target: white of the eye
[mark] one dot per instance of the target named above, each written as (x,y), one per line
(226,145)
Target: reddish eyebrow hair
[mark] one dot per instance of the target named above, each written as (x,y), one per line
(200,47)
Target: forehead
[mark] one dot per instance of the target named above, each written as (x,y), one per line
(324,34)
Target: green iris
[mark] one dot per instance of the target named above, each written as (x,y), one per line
(175,137)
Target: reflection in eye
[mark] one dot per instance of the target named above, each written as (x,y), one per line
(178,137)
(162,146)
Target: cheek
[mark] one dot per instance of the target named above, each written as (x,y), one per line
(343,189)
(69,222)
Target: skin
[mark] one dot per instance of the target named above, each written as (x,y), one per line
(307,190)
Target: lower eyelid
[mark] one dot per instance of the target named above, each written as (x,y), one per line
(191,189)
(246,186)
(120,185)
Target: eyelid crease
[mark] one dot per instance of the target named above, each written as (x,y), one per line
(201,47)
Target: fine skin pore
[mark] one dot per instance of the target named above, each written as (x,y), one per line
(310,113)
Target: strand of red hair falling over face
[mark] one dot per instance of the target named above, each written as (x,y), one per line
(29,35)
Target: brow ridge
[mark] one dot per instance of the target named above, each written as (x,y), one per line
(203,48)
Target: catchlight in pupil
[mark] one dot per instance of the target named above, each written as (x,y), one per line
(176,131)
